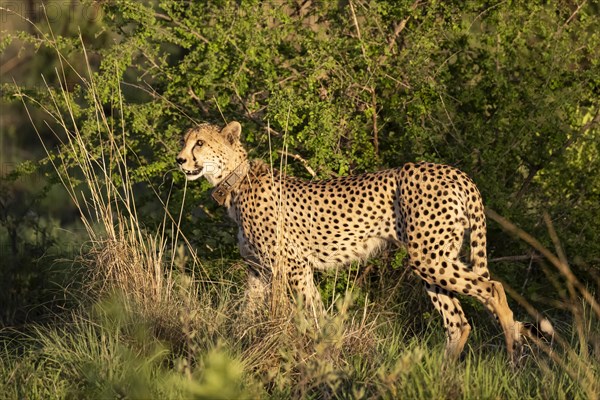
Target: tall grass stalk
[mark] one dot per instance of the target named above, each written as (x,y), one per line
(123,255)
(580,302)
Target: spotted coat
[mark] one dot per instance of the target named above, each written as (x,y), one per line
(297,226)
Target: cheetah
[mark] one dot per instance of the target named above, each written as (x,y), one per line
(310,225)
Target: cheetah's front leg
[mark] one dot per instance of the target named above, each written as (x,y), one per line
(258,291)
(302,285)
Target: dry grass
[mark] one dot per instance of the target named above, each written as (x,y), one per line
(145,271)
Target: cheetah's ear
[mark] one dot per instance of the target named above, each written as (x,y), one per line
(232,132)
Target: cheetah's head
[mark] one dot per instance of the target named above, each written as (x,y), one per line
(211,152)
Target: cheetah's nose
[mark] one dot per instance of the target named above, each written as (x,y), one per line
(180,160)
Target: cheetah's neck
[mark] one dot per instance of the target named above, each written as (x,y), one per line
(222,191)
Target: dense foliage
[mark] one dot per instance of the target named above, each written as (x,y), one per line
(507,92)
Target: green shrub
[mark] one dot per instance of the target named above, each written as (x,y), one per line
(507,92)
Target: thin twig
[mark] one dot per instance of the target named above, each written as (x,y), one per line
(302,160)
(397,31)
(554,237)
(375,127)
(527,275)
(524,257)
(358,34)
(357,27)
(185,27)
(574,301)
(568,21)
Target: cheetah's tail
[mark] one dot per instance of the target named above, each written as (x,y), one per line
(543,330)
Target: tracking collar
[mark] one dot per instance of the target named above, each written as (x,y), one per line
(223,189)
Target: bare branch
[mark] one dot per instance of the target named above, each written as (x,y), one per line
(179,24)
(375,127)
(400,27)
(302,160)
(357,27)
(554,237)
(524,257)
(397,31)
(568,21)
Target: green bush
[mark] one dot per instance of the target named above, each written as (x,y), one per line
(507,92)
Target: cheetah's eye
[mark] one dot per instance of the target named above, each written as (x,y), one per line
(200,143)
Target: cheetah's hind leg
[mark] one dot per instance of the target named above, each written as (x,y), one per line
(457,327)
(491,294)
